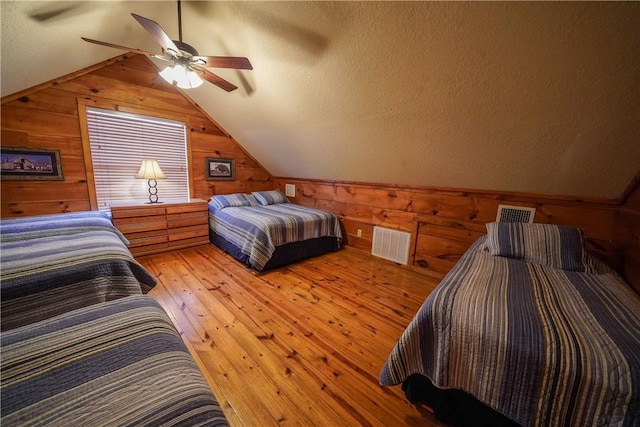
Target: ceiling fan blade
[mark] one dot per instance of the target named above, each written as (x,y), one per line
(158,33)
(143,52)
(60,10)
(46,15)
(236,62)
(216,80)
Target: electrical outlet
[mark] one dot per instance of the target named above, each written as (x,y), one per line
(359,233)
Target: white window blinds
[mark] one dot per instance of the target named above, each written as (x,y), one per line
(120,141)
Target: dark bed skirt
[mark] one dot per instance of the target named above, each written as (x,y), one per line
(283,255)
(454,407)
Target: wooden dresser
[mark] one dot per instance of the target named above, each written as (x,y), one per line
(160,227)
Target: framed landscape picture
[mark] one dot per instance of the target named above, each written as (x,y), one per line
(30,164)
(220,169)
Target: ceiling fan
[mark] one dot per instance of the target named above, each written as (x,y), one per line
(188,67)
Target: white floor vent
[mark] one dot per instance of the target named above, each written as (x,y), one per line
(515,214)
(391,244)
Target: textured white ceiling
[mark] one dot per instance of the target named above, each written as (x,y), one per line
(539,97)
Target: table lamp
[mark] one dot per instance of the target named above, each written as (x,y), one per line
(149,169)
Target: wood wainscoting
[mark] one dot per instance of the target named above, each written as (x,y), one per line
(456,216)
(299,345)
(626,235)
(440,242)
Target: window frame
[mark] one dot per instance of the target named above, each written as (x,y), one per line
(127,108)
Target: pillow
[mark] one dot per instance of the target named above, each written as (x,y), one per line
(555,246)
(233,200)
(270,197)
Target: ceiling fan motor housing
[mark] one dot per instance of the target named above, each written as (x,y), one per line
(185,48)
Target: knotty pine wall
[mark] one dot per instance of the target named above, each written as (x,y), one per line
(363,206)
(47,117)
(626,234)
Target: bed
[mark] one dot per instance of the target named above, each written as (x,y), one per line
(529,328)
(52,264)
(120,362)
(263,230)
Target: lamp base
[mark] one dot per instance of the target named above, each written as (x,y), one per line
(153,192)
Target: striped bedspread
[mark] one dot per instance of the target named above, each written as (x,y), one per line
(543,346)
(26,228)
(116,363)
(56,263)
(258,230)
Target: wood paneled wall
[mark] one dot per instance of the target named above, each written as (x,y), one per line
(626,234)
(457,215)
(47,116)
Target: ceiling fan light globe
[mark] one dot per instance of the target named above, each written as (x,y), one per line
(168,74)
(194,79)
(188,79)
(181,77)
(179,74)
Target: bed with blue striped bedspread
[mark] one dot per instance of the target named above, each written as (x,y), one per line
(116,363)
(541,345)
(51,264)
(33,227)
(258,230)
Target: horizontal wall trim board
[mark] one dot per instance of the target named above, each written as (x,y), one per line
(468,192)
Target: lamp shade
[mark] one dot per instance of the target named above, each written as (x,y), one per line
(181,77)
(149,169)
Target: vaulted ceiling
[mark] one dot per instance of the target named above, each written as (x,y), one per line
(539,97)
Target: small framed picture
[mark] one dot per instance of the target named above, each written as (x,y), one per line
(30,164)
(220,169)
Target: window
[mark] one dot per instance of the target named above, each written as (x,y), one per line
(120,141)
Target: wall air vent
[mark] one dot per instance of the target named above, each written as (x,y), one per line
(515,214)
(392,245)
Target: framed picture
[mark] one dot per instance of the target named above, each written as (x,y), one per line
(220,169)
(30,164)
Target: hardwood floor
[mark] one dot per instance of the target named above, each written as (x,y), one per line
(300,345)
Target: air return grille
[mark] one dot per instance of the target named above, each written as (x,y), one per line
(391,244)
(515,214)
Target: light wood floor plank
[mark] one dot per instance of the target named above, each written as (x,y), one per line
(235,356)
(296,368)
(299,345)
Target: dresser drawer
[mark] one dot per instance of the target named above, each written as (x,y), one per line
(190,207)
(129,212)
(187,232)
(138,226)
(161,227)
(157,236)
(186,219)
